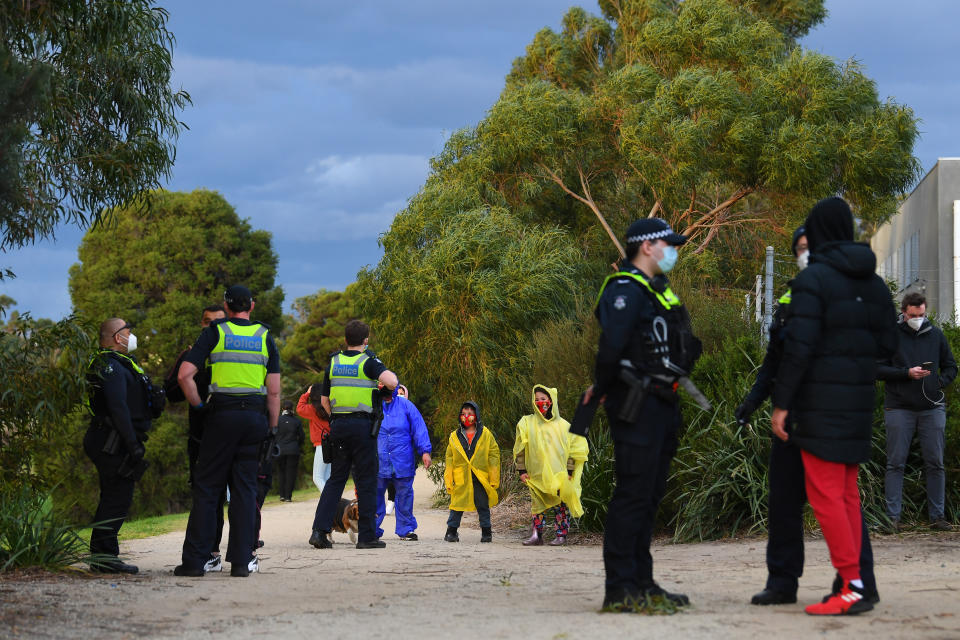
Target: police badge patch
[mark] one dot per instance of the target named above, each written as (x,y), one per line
(620,303)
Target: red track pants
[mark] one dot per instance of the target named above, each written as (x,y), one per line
(833,494)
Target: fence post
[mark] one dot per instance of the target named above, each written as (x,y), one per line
(758,299)
(768,293)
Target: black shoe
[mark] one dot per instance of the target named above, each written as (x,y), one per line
(239,569)
(679,599)
(941,525)
(373,544)
(772,596)
(486,535)
(260,544)
(620,601)
(412,537)
(319,540)
(451,535)
(188,572)
(115,566)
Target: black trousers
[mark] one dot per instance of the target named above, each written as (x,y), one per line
(785,523)
(116,494)
(195,437)
(642,461)
(228,453)
(287,466)
(353,446)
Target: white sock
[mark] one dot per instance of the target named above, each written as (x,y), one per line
(857,583)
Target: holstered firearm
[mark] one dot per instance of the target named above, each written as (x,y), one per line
(377,414)
(636,393)
(131,469)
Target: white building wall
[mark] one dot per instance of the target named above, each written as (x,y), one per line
(916,248)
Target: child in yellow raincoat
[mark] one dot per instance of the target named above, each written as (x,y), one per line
(472,472)
(550,461)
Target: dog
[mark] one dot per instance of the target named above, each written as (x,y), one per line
(346,519)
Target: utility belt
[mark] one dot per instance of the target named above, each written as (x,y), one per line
(639,385)
(230,402)
(353,415)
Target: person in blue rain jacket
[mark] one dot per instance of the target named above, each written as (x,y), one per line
(402,439)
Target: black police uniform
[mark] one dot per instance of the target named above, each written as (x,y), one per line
(121,418)
(354,446)
(643,448)
(234,428)
(787,496)
(195,420)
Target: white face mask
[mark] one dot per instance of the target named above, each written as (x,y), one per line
(131,343)
(803,259)
(915,323)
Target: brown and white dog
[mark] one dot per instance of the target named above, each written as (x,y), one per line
(345,519)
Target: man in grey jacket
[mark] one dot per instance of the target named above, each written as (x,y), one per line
(915,377)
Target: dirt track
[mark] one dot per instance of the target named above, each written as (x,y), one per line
(433,589)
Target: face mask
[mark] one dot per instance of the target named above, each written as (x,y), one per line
(131,343)
(543,405)
(467,421)
(803,259)
(669,258)
(915,323)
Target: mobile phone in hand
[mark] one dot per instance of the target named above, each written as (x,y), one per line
(927,365)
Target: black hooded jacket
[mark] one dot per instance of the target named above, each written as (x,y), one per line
(916,347)
(841,322)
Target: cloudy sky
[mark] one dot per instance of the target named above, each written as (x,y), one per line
(317,119)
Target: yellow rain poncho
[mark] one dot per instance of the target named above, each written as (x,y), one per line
(546,449)
(485,465)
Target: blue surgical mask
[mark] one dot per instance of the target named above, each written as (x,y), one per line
(669,258)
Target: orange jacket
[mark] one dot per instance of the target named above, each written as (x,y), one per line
(318,426)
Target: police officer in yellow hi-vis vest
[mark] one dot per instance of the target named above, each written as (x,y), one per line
(244,403)
(350,396)
(646,347)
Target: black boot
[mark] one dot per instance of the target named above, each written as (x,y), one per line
(486,534)
(451,535)
(319,540)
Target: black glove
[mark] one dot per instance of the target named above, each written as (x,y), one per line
(744,411)
(136,451)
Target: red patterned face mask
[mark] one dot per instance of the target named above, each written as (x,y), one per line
(468,420)
(543,405)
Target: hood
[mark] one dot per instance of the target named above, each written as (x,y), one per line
(554,412)
(854,259)
(925,327)
(830,220)
(476,409)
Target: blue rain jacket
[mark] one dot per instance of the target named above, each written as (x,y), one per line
(403,439)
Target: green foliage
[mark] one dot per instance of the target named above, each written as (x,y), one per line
(157,269)
(317,332)
(32,535)
(453,315)
(44,375)
(88,112)
(162,489)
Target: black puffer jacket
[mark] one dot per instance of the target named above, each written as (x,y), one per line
(841,322)
(916,347)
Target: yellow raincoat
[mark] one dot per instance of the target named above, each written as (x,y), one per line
(485,465)
(547,446)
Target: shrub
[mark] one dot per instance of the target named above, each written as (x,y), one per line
(33,535)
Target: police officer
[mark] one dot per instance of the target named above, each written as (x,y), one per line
(646,344)
(195,420)
(244,404)
(350,396)
(787,495)
(119,401)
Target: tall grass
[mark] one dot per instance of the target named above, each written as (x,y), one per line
(33,535)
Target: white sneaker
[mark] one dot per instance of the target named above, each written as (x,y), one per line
(254,565)
(389,507)
(213,564)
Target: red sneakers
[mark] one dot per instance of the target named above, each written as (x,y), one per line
(849,601)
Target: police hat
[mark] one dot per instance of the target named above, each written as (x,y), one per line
(653,229)
(237,295)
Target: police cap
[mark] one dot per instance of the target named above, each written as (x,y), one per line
(653,229)
(237,295)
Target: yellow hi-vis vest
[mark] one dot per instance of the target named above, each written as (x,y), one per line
(351,391)
(238,364)
(668,299)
